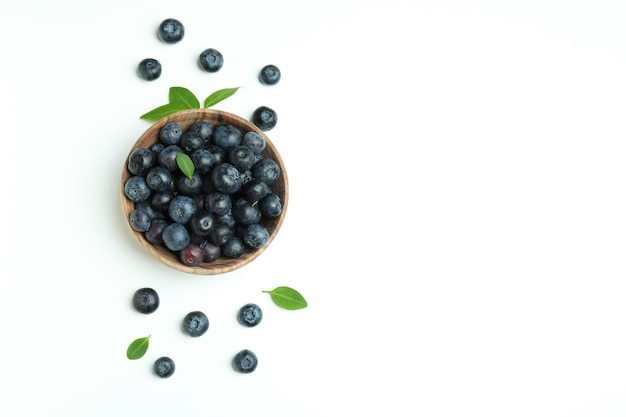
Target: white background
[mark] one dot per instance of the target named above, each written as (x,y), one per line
(456,218)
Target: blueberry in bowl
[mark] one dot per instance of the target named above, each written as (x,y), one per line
(220,215)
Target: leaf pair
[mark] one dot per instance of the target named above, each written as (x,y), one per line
(180,98)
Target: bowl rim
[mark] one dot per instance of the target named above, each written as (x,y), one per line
(217,117)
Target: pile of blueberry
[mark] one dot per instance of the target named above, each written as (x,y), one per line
(219,211)
(195,324)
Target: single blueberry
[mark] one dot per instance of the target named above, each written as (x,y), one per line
(227,137)
(193,140)
(160,201)
(139,220)
(271,206)
(245,361)
(171,31)
(226,178)
(181,208)
(228,219)
(152,213)
(218,203)
(159,179)
(270,75)
(217,151)
(266,170)
(192,254)
(211,60)
(195,323)
(254,141)
(140,161)
(167,157)
(136,189)
(189,186)
(255,235)
(219,234)
(211,252)
(146,300)
(264,118)
(255,190)
(201,223)
(203,128)
(154,233)
(149,69)
(164,367)
(241,157)
(175,236)
(233,248)
(203,160)
(171,133)
(250,315)
(246,212)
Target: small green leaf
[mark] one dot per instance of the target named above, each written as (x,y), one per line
(162,111)
(185,164)
(287,298)
(184,97)
(138,348)
(218,96)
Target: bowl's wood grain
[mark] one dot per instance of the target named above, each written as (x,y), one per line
(185,119)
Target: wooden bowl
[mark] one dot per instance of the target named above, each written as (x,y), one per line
(185,119)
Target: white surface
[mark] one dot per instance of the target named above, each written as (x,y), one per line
(456,219)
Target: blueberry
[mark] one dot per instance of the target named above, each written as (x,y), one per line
(140,161)
(192,254)
(211,252)
(218,203)
(195,323)
(139,220)
(250,315)
(245,361)
(255,236)
(226,178)
(233,248)
(171,31)
(159,179)
(167,157)
(203,160)
(160,201)
(201,223)
(211,60)
(152,213)
(189,186)
(245,212)
(271,206)
(255,190)
(181,208)
(228,219)
(241,157)
(264,118)
(154,233)
(218,152)
(149,69)
(136,189)
(164,367)
(175,236)
(171,133)
(146,300)
(254,141)
(227,137)
(192,141)
(266,170)
(203,128)
(220,234)
(270,75)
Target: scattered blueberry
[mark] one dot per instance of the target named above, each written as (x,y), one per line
(264,118)
(146,300)
(171,31)
(250,315)
(245,361)
(270,75)
(211,60)
(164,367)
(195,323)
(149,69)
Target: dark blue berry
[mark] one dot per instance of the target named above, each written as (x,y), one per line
(254,141)
(159,179)
(271,206)
(264,118)
(211,60)
(245,361)
(203,128)
(167,157)
(175,236)
(241,157)
(146,300)
(171,31)
(266,170)
(164,367)
(219,234)
(250,315)
(154,233)
(203,160)
(270,75)
(195,323)
(189,186)
(192,141)
(218,152)
(211,252)
(171,133)
(139,220)
(181,208)
(255,190)
(226,178)
(140,161)
(255,236)
(136,189)
(218,203)
(160,201)
(233,248)
(201,223)
(246,212)
(149,69)
(227,137)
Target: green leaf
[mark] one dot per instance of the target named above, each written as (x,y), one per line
(184,97)
(162,111)
(218,96)
(287,298)
(185,164)
(138,348)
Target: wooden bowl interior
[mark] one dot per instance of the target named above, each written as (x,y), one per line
(185,119)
